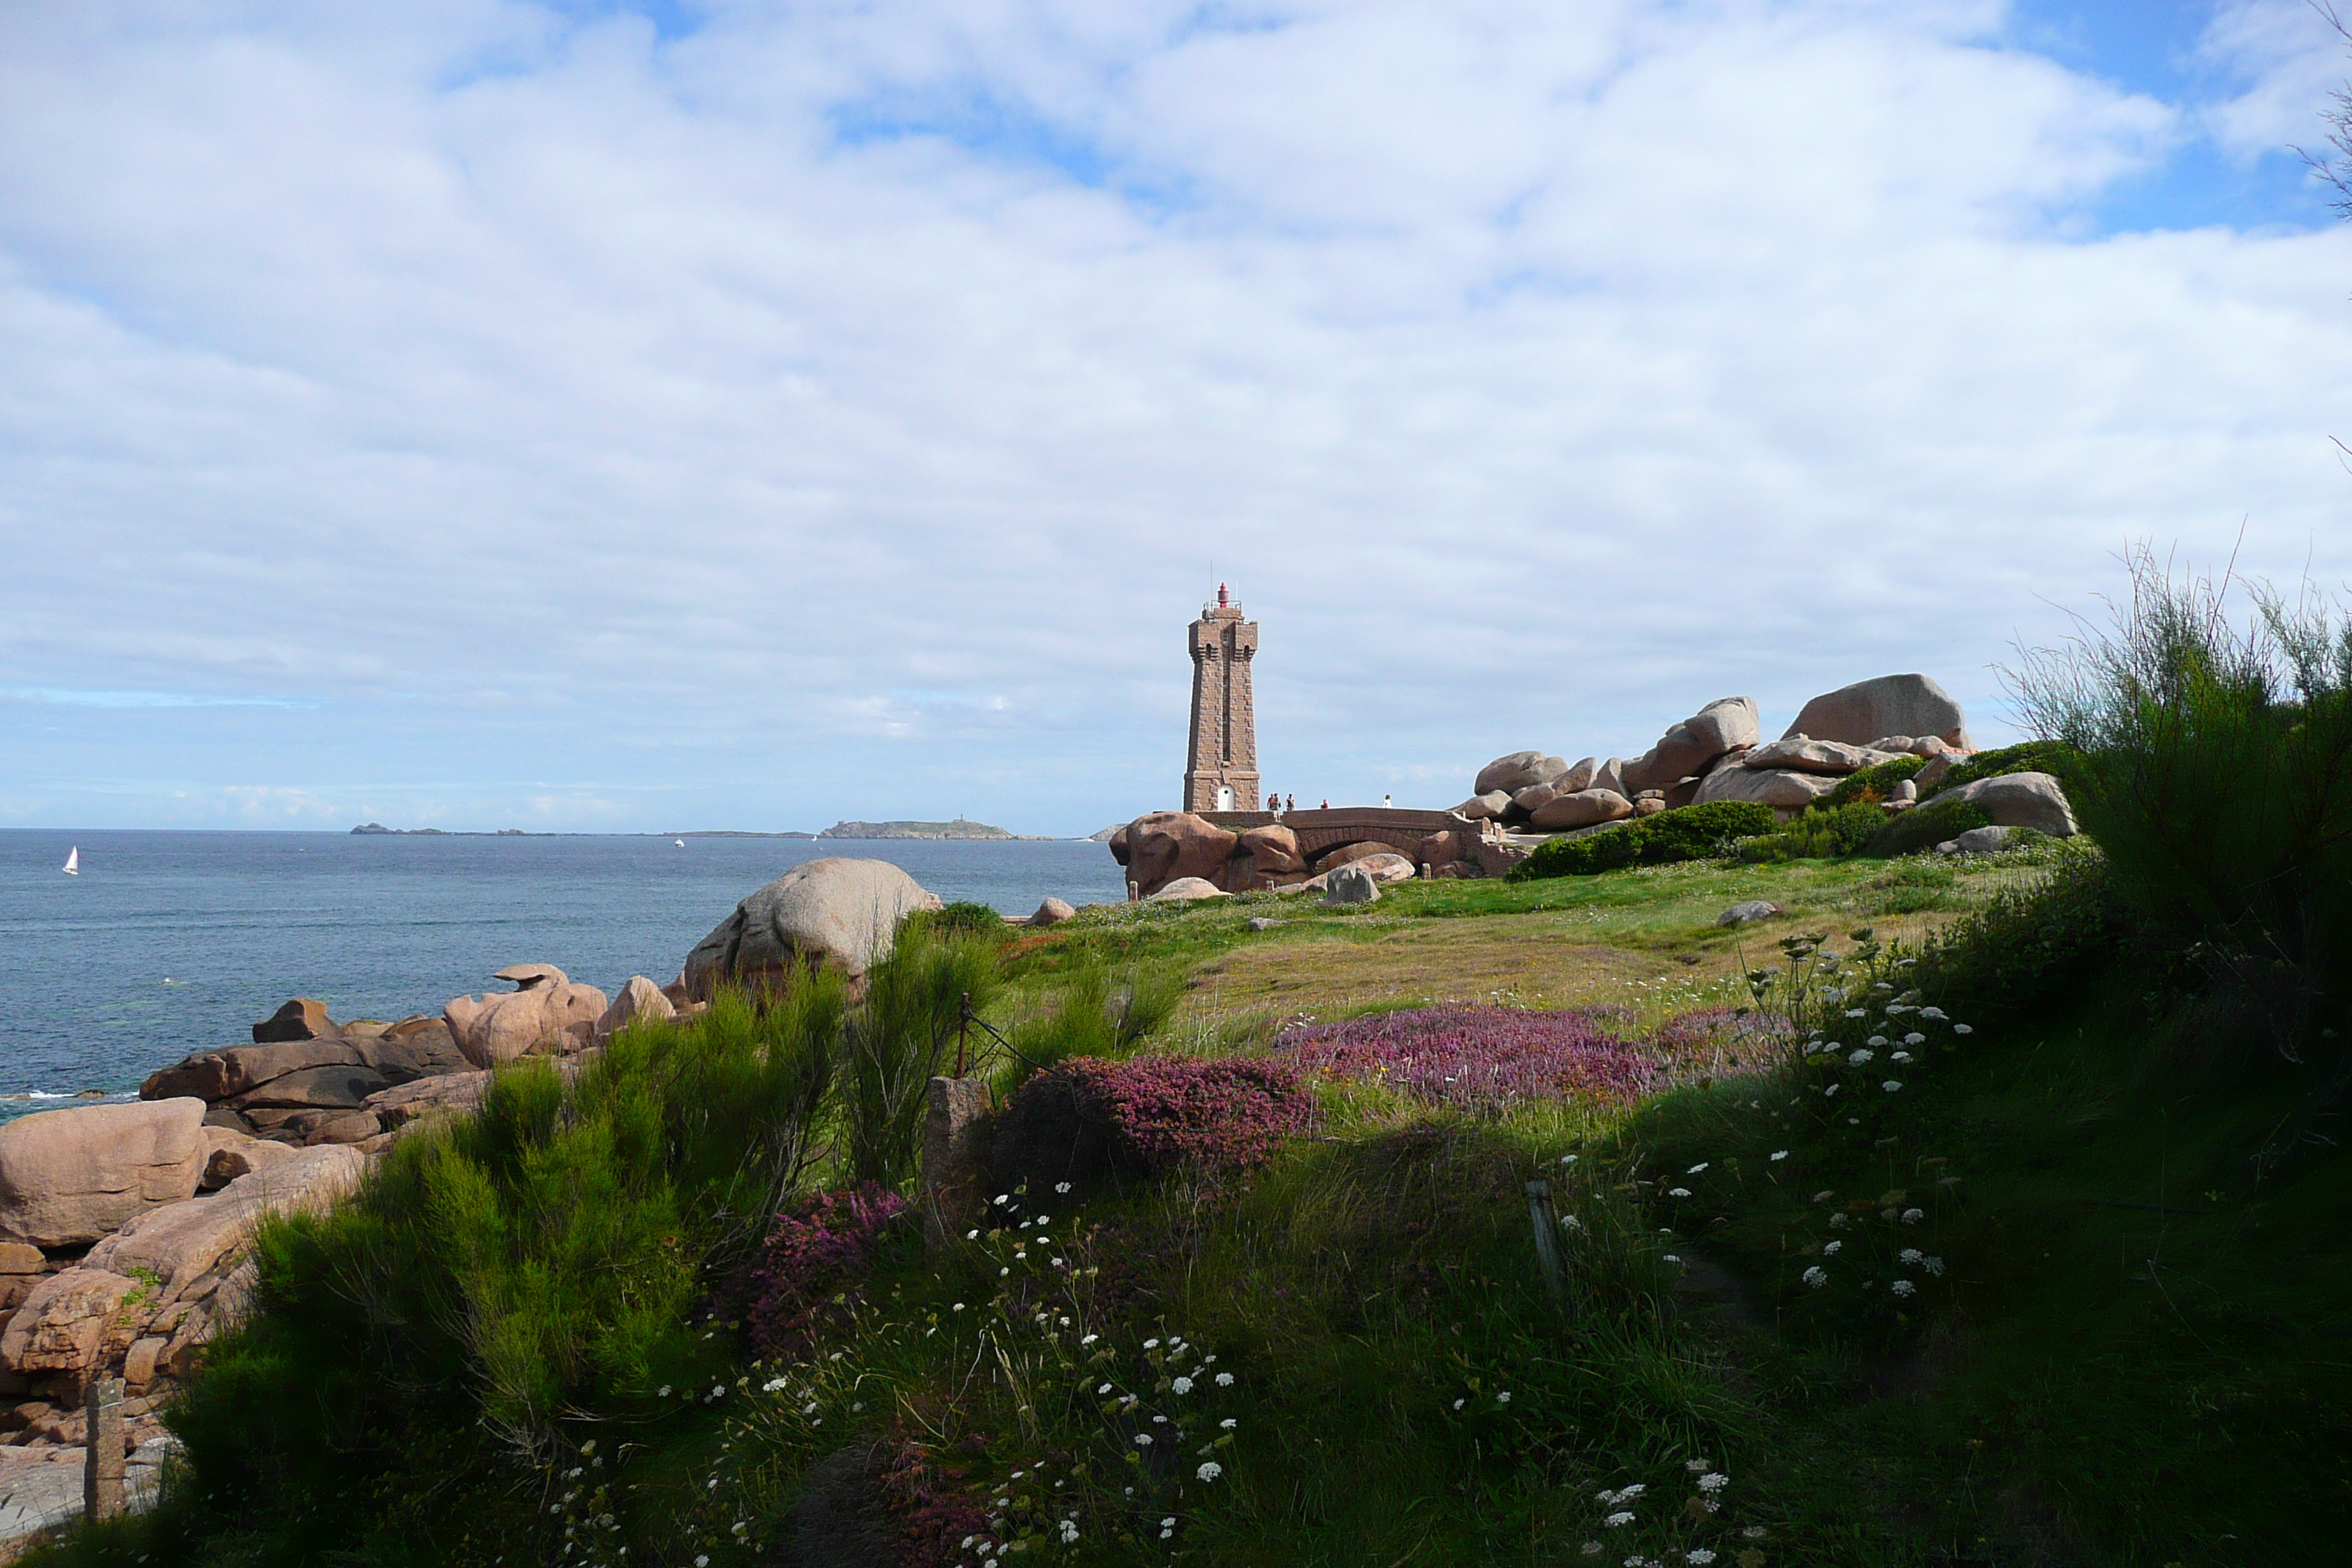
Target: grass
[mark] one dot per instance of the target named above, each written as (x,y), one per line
(2132,1355)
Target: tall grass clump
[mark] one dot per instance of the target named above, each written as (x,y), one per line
(1095,1014)
(2214,766)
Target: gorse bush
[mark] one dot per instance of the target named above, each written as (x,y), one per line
(1924,826)
(1819,835)
(916,1012)
(1875,783)
(1686,833)
(1094,1015)
(2214,767)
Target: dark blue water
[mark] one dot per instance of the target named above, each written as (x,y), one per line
(170,943)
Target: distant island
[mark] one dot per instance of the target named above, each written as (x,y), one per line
(959,828)
(371,828)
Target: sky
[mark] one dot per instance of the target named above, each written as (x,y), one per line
(596,416)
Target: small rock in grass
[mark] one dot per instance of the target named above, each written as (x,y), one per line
(1352,885)
(1263,922)
(1741,914)
(1985,840)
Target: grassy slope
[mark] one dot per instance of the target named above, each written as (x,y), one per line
(2134,1358)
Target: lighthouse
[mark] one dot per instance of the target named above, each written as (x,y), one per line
(1220,765)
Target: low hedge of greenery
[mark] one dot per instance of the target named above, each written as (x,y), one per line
(1819,835)
(2030,757)
(1686,833)
(1872,784)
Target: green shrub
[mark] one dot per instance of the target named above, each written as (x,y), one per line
(1686,833)
(1870,783)
(1819,835)
(962,918)
(2030,757)
(904,1034)
(2214,768)
(1924,826)
(1094,1015)
(497,1287)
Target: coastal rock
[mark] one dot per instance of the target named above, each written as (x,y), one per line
(180,1245)
(1052,913)
(1651,804)
(1166,846)
(531,976)
(1534,798)
(1184,890)
(1273,850)
(1517,771)
(838,913)
(300,1019)
(1925,780)
(64,1323)
(67,1177)
(501,1025)
(1806,755)
(1352,885)
(413,1049)
(396,1107)
(2011,800)
(1746,913)
(234,1154)
(1985,840)
(314,1088)
(1578,775)
(1115,839)
(1611,776)
(640,998)
(1387,867)
(1480,807)
(1883,705)
(1691,745)
(1583,809)
(239,1070)
(1362,850)
(1781,788)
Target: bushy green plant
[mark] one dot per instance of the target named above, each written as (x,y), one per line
(1686,833)
(2215,771)
(964,917)
(1817,835)
(501,1281)
(2027,757)
(1870,783)
(1924,826)
(917,1004)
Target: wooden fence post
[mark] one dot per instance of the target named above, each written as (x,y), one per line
(101,1475)
(1546,1220)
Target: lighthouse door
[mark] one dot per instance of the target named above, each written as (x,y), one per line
(1225,797)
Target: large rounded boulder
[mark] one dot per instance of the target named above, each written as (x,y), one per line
(2018,800)
(1169,846)
(547,1011)
(1910,705)
(839,913)
(68,1177)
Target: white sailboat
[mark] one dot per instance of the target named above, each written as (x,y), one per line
(73,861)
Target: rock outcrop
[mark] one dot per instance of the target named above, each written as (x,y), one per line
(1783,789)
(1883,705)
(1517,771)
(1351,884)
(1802,753)
(1582,808)
(841,913)
(2017,800)
(1051,913)
(640,998)
(1687,749)
(1165,846)
(68,1177)
(549,1012)
(300,1019)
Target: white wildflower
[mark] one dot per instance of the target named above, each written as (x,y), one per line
(1780,1153)
(1877,1040)
(1061,1186)
(1831,1250)
(1152,1344)
(1700,1555)
(1910,1255)
(1699,1466)
(1833,1089)
(1678,1191)
(665,1392)
(1859,1057)
(1694,1169)
(1504,1397)
(1892,1085)
(1713,1481)
(1825,1194)
(1753,1532)
(1903,1288)
(1210,1472)
(1935,1012)
(1815,1277)
(1618,1521)
(1912,1216)
(1460,1403)
(1963,1029)
(1857,1011)
(1935,1265)
(1915,1039)
(1005,1198)
(1224,1380)
(1904,1056)
(1104,1389)
(1183,1385)
(1837,1221)
(1229,1423)
(1143,1439)
(1672,1257)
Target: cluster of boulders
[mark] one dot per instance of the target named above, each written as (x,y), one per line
(1174,856)
(1719,754)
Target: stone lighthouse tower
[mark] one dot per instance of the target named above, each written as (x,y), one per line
(1220,767)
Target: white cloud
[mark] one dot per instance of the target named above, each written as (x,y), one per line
(839,410)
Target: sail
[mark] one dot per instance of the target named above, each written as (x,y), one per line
(73,861)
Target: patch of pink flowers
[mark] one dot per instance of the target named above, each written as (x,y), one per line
(1482,1058)
(1168,1112)
(819,1246)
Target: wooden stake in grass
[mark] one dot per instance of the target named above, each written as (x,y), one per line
(1546,1220)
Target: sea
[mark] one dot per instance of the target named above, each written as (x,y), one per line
(170,943)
